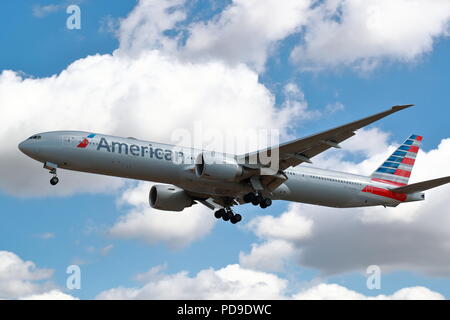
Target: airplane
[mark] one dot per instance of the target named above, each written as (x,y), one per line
(220,181)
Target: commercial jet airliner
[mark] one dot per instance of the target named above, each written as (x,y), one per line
(221,181)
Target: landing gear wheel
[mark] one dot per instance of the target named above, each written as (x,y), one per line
(54,181)
(257,200)
(249,197)
(236,218)
(265,203)
(228,215)
(219,213)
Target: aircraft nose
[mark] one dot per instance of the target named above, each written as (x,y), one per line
(22,146)
(29,148)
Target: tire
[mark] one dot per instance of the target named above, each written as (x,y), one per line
(54,181)
(219,213)
(267,202)
(249,197)
(259,198)
(227,216)
(236,218)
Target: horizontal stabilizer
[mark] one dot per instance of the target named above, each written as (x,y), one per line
(422,186)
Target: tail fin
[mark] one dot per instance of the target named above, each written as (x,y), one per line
(397,168)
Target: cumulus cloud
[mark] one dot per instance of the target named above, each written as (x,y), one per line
(235,282)
(241,34)
(326,291)
(290,226)
(231,282)
(50,295)
(412,236)
(364,33)
(177,229)
(144,28)
(352,33)
(271,256)
(21,279)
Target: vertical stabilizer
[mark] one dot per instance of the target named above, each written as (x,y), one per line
(397,168)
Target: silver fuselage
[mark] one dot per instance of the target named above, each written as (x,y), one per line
(150,161)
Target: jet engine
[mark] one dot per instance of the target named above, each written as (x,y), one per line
(169,198)
(217,167)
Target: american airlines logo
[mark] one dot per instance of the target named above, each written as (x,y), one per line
(86,141)
(138,150)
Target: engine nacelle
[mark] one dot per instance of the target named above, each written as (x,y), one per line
(169,198)
(217,167)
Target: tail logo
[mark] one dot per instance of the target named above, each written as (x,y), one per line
(397,168)
(85,142)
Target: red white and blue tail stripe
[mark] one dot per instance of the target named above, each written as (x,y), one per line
(396,170)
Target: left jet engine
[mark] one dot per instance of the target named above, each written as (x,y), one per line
(169,198)
(217,167)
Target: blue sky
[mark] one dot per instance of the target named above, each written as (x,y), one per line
(79,223)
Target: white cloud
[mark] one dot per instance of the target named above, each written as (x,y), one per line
(411,237)
(333,33)
(241,32)
(231,282)
(269,256)
(177,229)
(43,11)
(364,33)
(326,291)
(143,29)
(234,282)
(22,279)
(413,293)
(50,295)
(291,226)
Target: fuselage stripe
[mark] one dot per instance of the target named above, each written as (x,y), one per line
(385,193)
(389,181)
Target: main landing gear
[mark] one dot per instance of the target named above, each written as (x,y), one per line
(226,214)
(257,199)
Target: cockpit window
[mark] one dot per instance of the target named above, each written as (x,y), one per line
(37,137)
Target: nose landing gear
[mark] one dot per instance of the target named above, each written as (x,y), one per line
(52,167)
(54,180)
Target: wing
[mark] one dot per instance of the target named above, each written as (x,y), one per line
(422,186)
(301,150)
